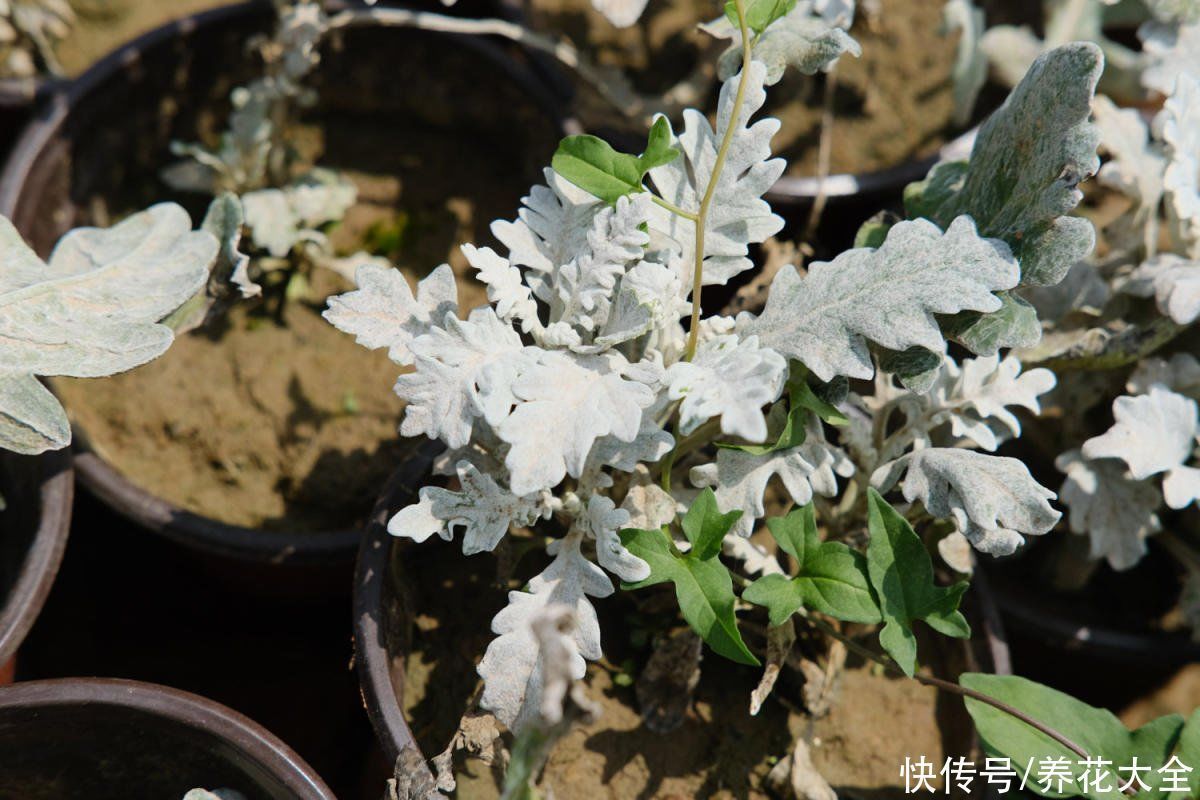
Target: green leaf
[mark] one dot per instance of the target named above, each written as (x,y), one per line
(831,577)
(785,430)
(759,13)
(874,231)
(901,573)
(1096,730)
(705,526)
(1188,751)
(1153,744)
(703,588)
(593,165)
(1014,325)
(917,367)
(801,395)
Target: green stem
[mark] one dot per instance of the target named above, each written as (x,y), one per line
(674,209)
(711,190)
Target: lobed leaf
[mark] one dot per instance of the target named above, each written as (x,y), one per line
(887,296)
(830,577)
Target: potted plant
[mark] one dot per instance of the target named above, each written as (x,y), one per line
(593,413)
(226,445)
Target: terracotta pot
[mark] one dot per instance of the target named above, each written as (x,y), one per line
(84,143)
(33,534)
(381,618)
(83,738)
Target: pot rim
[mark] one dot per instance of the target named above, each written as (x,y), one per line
(1030,612)
(97,475)
(190,710)
(56,491)
(375,666)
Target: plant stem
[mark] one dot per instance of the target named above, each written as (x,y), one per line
(674,209)
(950,687)
(711,190)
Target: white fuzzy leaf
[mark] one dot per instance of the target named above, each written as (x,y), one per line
(511,669)
(1135,165)
(462,371)
(650,445)
(970,61)
(1181,487)
(1153,433)
(551,229)
(1180,373)
(602,520)
(738,216)
(583,286)
(739,478)
(1169,51)
(993,500)
(649,298)
(565,403)
(383,312)
(279,218)
(481,508)
(93,310)
(810,44)
(1180,123)
(887,296)
(1174,283)
(31,418)
(732,378)
(979,392)
(1116,512)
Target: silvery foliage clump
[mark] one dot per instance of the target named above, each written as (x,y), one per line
(106,301)
(29,32)
(285,204)
(1119,481)
(579,403)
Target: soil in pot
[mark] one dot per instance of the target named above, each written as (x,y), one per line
(283,422)
(719,750)
(892,104)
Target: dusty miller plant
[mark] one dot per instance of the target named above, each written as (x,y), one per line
(286,201)
(592,399)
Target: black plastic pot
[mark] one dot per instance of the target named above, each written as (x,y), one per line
(88,738)
(33,534)
(383,614)
(84,142)
(1069,642)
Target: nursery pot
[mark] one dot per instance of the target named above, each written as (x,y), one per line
(106,137)
(1106,654)
(83,738)
(386,606)
(37,491)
